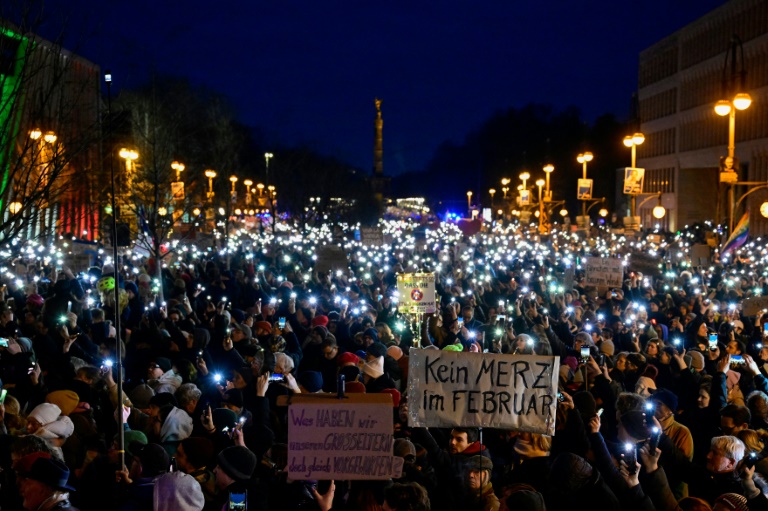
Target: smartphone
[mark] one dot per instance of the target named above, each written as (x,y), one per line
(630,458)
(560,397)
(172,467)
(3,342)
(765,329)
(238,501)
(601,359)
(751,459)
(584,354)
(3,393)
(654,443)
(461,322)
(713,342)
(649,409)
(281,322)
(737,359)
(600,412)
(280,378)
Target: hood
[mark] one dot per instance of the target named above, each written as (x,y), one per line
(177,426)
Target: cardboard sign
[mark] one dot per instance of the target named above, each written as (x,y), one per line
(341,439)
(645,264)
(448,388)
(417,292)
(754,305)
(584,191)
(633,180)
(331,258)
(701,254)
(603,271)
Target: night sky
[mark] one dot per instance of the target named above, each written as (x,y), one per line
(307,71)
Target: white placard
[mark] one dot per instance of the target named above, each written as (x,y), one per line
(417,292)
(603,271)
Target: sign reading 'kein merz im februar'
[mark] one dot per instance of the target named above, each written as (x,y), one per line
(417,292)
(447,389)
(341,440)
(603,271)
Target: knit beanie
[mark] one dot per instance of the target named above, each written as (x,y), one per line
(45,413)
(66,400)
(141,395)
(355,387)
(732,501)
(607,348)
(372,333)
(133,436)
(697,359)
(177,491)
(346,359)
(374,368)
(238,462)
(634,424)
(164,363)
(154,459)
(320,321)
(667,398)
(395,352)
(376,349)
(264,325)
(395,396)
(312,381)
(223,418)
(404,447)
(570,472)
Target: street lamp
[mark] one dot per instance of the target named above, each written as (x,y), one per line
(524,177)
(14,207)
(233,180)
(196,211)
(210,174)
(632,141)
(584,158)
(492,191)
(542,222)
(162,211)
(603,212)
(469,202)
(504,182)
(733,98)
(267,157)
(548,168)
(179,168)
(248,183)
(260,186)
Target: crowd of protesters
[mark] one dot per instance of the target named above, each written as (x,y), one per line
(663,400)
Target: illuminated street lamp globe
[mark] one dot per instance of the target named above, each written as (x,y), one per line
(14,207)
(723,107)
(563,213)
(196,211)
(764,209)
(742,100)
(603,212)
(659,212)
(162,211)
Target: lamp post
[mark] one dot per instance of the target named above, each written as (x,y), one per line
(267,157)
(505,186)
(492,191)
(524,177)
(469,203)
(734,98)
(233,180)
(179,168)
(632,141)
(543,229)
(548,169)
(248,183)
(210,174)
(584,158)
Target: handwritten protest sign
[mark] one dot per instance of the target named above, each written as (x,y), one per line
(754,305)
(645,263)
(448,389)
(331,258)
(417,292)
(603,271)
(341,439)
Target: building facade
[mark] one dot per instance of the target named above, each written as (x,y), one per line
(680,80)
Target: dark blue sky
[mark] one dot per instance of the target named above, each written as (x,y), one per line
(308,70)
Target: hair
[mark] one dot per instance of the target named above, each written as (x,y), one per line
(31,444)
(693,504)
(472,433)
(739,414)
(541,442)
(629,401)
(407,497)
(89,373)
(752,440)
(730,446)
(187,370)
(187,393)
(329,342)
(757,402)
(97,314)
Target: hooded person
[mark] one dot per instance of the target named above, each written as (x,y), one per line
(162,377)
(45,421)
(234,468)
(149,461)
(374,378)
(177,491)
(177,425)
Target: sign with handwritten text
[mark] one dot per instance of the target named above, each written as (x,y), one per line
(338,440)
(603,271)
(447,389)
(417,292)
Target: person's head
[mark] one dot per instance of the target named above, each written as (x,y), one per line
(177,490)
(725,452)
(620,363)
(735,348)
(406,497)
(461,438)
(734,418)
(702,331)
(524,344)
(40,477)
(752,441)
(633,427)
(156,369)
(702,401)
(653,347)
(188,395)
(479,471)
(757,402)
(467,312)
(194,453)
(330,348)
(234,464)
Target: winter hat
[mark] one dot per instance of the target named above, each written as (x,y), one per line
(634,423)
(141,395)
(131,436)
(44,468)
(63,427)
(644,386)
(66,400)
(585,403)
(238,462)
(164,363)
(395,396)
(238,315)
(233,397)
(176,426)
(284,363)
(453,347)
(526,500)
(312,381)
(732,501)
(404,447)
(350,373)
(264,325)
(154,459)
(287,283)
(607,348)
(361,354)
(132,287)
(245,329)
(570,472)
(223,418)
(347,359)
(177,491)
(35,300)
(321,331)
(372,333)
(45,413)
(374,368)
(697,359)
(479,462)
(355,387)
(199,450)
(376,349)
(395,352)
(320,321)
(667,398)
(738,324)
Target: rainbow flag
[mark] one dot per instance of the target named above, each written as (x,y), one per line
(738,236)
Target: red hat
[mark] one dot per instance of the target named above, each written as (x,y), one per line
(355,387)
(264,325)
(320,321)
(395,396)
(347,358)
(287,283)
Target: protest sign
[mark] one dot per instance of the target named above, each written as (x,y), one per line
(417,292)
(350,438)
(701,254)
(330,258)
(371,236)
(645,264)
(447,389)
(754,305)
(603,271)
